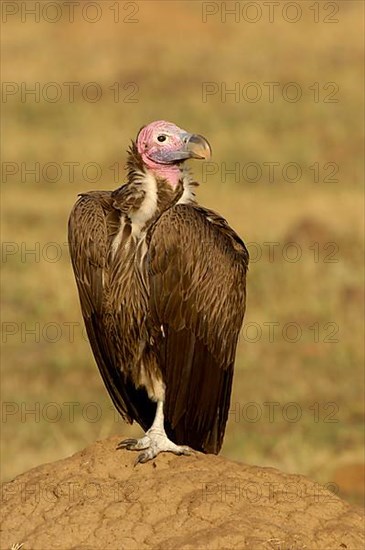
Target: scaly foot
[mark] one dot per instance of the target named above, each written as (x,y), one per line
(153,443)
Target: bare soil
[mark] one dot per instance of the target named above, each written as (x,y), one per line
(97,499)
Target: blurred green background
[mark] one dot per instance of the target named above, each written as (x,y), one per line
(152,60)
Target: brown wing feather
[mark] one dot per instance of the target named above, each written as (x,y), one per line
(197,276)
(91,225)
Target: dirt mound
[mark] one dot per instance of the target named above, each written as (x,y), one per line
(97,499)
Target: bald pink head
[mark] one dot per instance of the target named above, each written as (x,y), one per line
(163,146)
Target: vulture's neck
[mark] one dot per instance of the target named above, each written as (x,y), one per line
(173,182)
(153,190)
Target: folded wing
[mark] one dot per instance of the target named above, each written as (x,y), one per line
(93,224)
(197,274)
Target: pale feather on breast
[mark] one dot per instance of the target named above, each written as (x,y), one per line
(148,206)
(141,215)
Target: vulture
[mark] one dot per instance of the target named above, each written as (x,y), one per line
(162,288)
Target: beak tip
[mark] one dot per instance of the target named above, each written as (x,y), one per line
(199,147)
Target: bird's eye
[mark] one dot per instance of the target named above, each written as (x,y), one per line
(161,138)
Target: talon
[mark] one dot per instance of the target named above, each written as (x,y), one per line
(127,444)
(154,442)
(141,459)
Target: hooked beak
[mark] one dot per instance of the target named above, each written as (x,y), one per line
(197,147)
(194,147)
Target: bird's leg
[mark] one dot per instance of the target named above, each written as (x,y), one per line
(155,441)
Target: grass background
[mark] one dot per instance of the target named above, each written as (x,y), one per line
(167,55)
